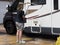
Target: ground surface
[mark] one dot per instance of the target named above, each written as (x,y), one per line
(6,39)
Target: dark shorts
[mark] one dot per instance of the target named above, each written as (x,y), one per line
(19,26)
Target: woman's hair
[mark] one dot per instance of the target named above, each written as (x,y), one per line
(20,7)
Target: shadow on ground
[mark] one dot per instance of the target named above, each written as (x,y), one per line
(42,36)
(2,33)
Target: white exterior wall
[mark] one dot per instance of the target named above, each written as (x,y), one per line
(56,20)
(2,10)
(44,21)
(59,4)
(52,20)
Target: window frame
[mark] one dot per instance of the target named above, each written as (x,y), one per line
(36,2)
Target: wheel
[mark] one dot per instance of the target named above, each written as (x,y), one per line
(10,27)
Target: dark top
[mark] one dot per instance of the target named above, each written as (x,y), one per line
(19,16)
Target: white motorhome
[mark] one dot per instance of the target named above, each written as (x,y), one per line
(44,17)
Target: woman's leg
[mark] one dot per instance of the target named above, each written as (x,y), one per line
(20,37)
(20,34)
(17,35)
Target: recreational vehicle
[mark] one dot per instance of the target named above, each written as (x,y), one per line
(42,16)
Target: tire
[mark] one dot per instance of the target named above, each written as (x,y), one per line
(10,27)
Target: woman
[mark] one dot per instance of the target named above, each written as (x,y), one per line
(20,23)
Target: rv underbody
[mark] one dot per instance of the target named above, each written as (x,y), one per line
(44,30)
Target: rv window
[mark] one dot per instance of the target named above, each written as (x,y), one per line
(38,2)
(55,4)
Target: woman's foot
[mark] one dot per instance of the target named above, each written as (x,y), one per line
(17,41)
(22,41)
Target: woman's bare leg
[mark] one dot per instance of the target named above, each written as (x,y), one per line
(20,34)
(17,36)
